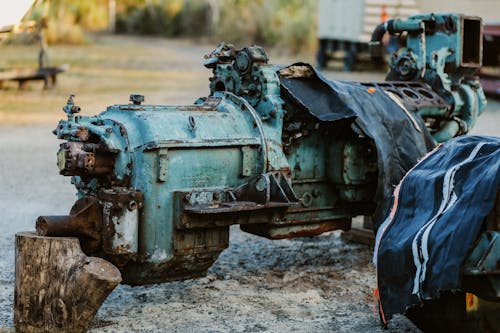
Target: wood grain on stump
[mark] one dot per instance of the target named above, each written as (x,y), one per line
(58,288)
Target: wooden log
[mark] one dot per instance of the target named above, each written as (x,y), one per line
(58,288)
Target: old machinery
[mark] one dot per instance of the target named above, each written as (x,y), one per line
(283,152)
(443,51)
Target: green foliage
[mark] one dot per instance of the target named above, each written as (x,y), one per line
(68,19)
(288,24)
(167,18)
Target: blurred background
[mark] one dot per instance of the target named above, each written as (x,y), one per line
(291,25)
(109,48)
(104,50)
(123,45)
(288,24)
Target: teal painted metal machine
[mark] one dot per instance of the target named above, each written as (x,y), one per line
(159,186)
(445,56)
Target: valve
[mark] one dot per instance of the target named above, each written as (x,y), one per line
(70,108)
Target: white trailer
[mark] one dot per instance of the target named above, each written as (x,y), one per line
(346,25)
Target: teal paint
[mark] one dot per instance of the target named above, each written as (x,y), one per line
(443,50)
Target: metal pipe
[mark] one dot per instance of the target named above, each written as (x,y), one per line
(379,31)
(65,226)
(470,110)
(84,222)
(375,45)
(390,26)
(448,131)
(400,25)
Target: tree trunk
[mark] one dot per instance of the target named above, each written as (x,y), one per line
(58,288)
(112,16)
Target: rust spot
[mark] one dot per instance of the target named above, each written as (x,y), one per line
(280,232)
(84,222)
(77,158)
(321,228)
(188,249)
(83,133)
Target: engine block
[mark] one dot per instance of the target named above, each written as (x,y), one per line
(283,152)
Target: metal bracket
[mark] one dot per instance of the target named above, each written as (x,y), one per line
(267,188)
(162,164)
(246,161)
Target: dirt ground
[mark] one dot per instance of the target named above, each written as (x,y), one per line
(320,284)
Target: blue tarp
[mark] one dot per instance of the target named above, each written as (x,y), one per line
(438,212)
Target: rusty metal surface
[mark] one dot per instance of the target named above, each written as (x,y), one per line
(81,158)
(84,222)
(232,207)
(414,95)
(120,223)
(290,231)
(194,251)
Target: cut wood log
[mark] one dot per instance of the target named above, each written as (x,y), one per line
(58,288)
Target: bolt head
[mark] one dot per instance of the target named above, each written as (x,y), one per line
(137,98)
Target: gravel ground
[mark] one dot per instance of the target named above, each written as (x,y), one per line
(320,284)
(317,284)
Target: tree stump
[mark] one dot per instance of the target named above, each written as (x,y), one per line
(58,288)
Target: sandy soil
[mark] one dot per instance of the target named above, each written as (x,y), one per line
(320,284)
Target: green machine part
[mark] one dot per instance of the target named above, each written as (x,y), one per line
(442,50)
(159,186)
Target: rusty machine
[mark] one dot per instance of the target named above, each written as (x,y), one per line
(281,151)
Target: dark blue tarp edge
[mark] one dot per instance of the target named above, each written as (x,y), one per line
(440,207)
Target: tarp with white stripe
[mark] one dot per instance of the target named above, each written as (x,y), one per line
(439,210)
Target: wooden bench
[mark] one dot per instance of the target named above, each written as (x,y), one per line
(22,75)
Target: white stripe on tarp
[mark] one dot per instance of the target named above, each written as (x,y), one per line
(388,221)
(399,102)
(416,250)
(421,254)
